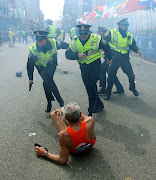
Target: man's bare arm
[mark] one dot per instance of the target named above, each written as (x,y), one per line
(60,159)
(64,152)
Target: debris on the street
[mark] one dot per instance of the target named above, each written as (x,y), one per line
(64,71)
(32,134)
(138,64)
(43,102)
(19,74)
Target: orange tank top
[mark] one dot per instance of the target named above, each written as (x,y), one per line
(80,140)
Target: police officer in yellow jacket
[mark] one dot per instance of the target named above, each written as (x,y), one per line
(105,68)
(121,41)
(73,32)
(85,48)
(43,56)
(63,34)
(53,31)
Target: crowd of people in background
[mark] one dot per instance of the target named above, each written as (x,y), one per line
(13,35)
(21,36)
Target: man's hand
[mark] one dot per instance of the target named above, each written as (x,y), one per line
(30,84)
(139,52)
(40,151)
(109,62)
(81,55)
(58,111)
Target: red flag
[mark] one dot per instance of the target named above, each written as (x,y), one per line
(130,7)
(92,16)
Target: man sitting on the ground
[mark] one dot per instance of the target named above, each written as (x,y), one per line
(76,138)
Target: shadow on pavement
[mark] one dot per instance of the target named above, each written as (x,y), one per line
(49,130)
(136,104)
(89,165)
(119,133)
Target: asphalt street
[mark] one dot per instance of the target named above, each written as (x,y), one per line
(125,147)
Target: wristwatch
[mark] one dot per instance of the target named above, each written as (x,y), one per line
(45,155)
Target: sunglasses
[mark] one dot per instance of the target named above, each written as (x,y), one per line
(83,32)
(126,25)
(39,38)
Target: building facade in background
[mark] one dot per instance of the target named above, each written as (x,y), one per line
(20,14)
(74,10)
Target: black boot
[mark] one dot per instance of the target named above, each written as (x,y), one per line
(136,93)
(107,97)
(99,109)
(89,114)
(49,106)
(102,91)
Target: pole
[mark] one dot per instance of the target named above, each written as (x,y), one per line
(151,19)
(141,22)
(136,22)
(139,25)
(132,23)
(147,22)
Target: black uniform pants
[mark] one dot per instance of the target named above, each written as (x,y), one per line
(120,60)
(90,76)
(105,68)
(49,85)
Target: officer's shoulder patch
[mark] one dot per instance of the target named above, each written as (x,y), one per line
(106,34)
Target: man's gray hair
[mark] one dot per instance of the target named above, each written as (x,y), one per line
(72,112)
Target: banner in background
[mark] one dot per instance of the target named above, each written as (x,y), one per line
(117,9)
(147,45)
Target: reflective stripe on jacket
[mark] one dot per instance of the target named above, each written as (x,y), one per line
(43,58)
(118,43)
(91,47)
(24,33)
(52,31)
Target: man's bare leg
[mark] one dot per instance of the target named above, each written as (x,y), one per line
(59,123)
